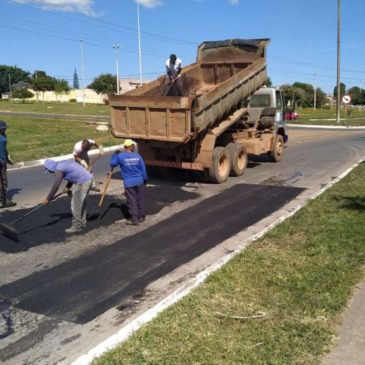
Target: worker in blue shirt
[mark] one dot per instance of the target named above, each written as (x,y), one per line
(4,160)
(134,175)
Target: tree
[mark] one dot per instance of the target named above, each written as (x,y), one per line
(76,84)
(61,87)
(307,99)
(357,95)
(268,82)
(104,84)
(321,98)
(42,82)
(10,75)
(342,90)
(22,94)
(288,94)
(300,97)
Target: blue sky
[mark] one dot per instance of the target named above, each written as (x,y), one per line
(45,35)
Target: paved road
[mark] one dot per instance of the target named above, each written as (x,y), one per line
(67,293)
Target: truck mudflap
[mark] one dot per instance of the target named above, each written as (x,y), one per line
(178,165)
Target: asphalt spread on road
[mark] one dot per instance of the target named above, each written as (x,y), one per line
(85,287)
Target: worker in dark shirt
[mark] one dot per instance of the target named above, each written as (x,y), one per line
(4,160)
(134,175)
(80,180)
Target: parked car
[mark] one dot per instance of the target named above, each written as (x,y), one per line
(291,115)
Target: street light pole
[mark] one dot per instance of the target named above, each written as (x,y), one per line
(82,72)
(10,91)
(338,110)
(139,46)
(315,91)
(116,47)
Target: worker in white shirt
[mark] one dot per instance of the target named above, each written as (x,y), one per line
(81,155)
(173,83)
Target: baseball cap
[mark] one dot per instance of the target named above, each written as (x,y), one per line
(2,125)
(128,143)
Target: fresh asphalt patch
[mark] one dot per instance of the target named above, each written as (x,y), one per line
(81,289)
(47,225)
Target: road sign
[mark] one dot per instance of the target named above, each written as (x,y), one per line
(346,99)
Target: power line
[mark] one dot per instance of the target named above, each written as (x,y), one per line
(104,24)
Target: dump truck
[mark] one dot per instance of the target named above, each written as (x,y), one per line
(209,128)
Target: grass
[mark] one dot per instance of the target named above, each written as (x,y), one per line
(328,117)
(32,138)
(56,108)
(301,274)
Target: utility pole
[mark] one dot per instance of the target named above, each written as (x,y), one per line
(338,110)
(10,91)
(360,94)
(315,91)
(82,71)
(116,47)
(139,46)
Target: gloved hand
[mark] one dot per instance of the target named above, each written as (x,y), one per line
(10,160)
(67,191)
(101,150)
(85,165)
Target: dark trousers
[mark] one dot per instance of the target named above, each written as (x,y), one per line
(135,202)
(173,88)
(3,181)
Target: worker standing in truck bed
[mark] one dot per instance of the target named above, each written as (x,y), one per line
(173,83)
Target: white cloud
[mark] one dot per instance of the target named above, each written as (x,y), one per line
(150,3)
(80,6)
(233,2)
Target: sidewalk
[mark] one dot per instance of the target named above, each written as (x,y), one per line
(350,343)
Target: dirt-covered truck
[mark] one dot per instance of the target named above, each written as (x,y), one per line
(214,125)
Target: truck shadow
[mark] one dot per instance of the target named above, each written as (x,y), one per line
(48,224)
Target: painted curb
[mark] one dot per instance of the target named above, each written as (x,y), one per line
(316,126)
(125,332)
(21,165)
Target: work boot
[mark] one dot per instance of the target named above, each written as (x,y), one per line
(94,188)
(73,229)
(129,222)
(8,203)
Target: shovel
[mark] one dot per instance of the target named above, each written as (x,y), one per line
(10,231)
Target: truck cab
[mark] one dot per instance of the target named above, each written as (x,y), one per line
(265,101)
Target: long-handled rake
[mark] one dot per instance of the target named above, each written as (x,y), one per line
(97,212)
(10,231)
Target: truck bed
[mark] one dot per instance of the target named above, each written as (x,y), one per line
(225,74)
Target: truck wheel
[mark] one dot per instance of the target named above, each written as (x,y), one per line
(219,171)
(238,156)
(277,151)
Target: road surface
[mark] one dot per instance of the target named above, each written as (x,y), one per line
(61,295)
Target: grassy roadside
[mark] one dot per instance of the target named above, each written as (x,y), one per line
(328,117)
(32,138)
(56,108)
(301,274)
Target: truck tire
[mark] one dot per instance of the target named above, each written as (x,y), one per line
(219,171)
(238,156)
(277,151)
